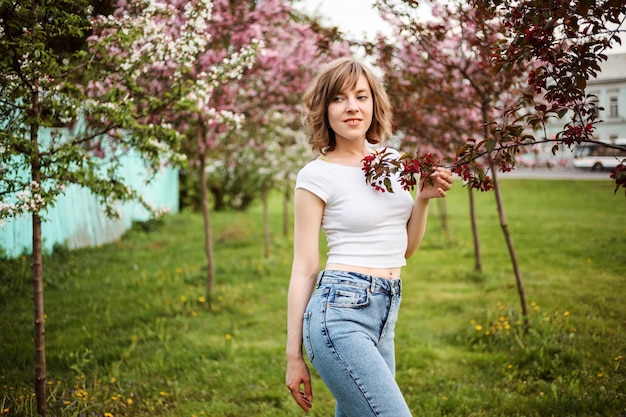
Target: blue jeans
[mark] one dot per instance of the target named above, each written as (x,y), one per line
(348,333)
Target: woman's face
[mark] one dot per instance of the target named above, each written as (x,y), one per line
(350,111)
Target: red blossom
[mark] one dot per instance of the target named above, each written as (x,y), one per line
(382,165)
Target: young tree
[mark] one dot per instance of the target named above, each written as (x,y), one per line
(43,86)
(292,49)
(439,74)
(564,42)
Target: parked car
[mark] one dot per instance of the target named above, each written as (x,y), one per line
(596,157)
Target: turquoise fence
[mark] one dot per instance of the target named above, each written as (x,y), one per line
(77,220)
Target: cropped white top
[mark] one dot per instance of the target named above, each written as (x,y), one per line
(364,227)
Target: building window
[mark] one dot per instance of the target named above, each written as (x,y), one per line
(613,107)
(595,103)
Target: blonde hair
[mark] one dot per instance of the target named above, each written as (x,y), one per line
(332,79)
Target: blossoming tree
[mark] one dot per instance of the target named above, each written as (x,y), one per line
(44,86)
(564,41)
(240,164)
(439,73)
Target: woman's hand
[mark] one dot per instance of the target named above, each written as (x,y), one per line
(441,182)
(298,378)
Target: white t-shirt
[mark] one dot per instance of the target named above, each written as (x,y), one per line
(364,227)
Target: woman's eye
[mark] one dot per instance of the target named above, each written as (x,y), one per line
(362,97)
(337,99)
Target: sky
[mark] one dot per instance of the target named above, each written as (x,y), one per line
(358,18)
(353,17)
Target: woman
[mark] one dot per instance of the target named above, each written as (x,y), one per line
(346,314)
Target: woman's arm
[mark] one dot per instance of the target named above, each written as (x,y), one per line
(416,226)
(308,211)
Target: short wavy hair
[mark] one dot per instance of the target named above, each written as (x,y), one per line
(332,79)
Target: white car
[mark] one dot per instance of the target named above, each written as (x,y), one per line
(597,157)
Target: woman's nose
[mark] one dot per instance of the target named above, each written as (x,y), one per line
(352,104)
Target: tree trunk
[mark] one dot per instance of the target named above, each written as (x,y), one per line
(503,222)
(266,220)
(39,330)
(208,234)
(478,261)
(443,216)
(509,242)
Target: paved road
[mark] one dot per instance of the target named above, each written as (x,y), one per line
(557,174)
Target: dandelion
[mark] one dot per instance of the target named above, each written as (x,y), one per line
(179,270)
(619,358)
(201,299)
(129,401)
(566,314)
(228,336)
(163,393)
(478,327)
(600,375)
(444,398)
(108,415)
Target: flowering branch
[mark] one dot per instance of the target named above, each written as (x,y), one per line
(380,166)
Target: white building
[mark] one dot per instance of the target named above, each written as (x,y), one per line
(610,89)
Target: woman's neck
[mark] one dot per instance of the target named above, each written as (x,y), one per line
(351,154)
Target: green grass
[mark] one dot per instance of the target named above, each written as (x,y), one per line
(129,332)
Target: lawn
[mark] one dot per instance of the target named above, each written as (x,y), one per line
(130,332)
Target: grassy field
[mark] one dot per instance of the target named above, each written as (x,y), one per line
(131,333)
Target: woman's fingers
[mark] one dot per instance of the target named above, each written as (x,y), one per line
(303,398)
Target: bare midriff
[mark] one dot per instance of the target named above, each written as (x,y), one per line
(389,273)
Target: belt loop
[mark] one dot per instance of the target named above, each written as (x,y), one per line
(373,284)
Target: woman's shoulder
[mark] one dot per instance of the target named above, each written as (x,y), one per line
(313,168)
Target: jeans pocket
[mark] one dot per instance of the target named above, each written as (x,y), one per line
(348,296)
(306,335)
